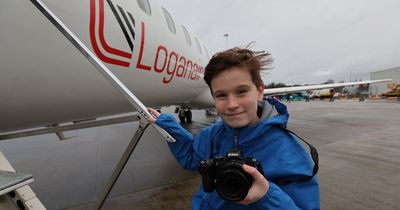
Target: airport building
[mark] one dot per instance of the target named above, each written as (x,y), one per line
(383,87)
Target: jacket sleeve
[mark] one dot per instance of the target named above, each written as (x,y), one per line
(184,149)
(277,198)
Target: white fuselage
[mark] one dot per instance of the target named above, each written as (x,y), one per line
(45,80)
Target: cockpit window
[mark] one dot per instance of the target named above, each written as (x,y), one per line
(145,6)
(169,20)
(188,40)
(198,44)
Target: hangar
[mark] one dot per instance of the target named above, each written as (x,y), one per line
(383,87)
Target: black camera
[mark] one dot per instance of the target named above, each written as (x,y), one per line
(226,176)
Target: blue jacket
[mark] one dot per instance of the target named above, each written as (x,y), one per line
(280,154)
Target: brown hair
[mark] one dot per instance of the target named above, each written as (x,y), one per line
(253,61)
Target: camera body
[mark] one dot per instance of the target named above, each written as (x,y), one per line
(226,176)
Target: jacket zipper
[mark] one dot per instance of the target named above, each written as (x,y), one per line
(236,137)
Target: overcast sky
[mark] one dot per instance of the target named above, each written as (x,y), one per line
(311,41)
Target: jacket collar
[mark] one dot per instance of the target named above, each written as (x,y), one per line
(268,119)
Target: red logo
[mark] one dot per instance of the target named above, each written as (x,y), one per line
(112,55)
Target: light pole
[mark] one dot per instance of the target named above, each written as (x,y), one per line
(350,76)
(226,40)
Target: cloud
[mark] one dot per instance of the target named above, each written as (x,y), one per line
(310,40)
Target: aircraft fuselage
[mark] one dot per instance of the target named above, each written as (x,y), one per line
(44,80)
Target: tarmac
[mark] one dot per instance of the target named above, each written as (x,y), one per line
(358,145)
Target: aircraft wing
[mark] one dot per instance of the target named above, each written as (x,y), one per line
(277,91)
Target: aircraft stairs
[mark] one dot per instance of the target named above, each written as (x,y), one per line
(15,192)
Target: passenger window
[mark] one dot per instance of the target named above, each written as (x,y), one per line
(188,40)
(170,22)
(145,6)
(198,45)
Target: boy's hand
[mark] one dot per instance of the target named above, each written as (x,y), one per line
(258,189)
(154,115)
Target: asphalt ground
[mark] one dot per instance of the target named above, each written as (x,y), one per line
(358,145)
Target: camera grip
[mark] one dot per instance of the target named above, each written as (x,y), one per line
(206,169)
(254,163)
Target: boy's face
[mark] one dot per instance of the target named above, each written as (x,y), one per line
(236,97)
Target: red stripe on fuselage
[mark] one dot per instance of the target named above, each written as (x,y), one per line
(94,42)
(102,39)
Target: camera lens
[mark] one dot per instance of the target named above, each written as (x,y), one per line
(233,184)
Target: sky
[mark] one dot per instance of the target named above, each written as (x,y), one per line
(311,41)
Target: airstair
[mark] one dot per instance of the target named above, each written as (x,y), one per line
(15,192)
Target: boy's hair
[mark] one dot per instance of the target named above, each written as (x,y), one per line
(253,61)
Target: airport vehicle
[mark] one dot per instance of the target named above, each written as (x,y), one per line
(323,93)
(395,92)
(48,86)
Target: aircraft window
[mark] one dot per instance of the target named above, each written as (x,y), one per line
(198,44)
(145,6)
(188,40)
(170,22)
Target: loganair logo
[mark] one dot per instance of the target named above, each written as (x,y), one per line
(166,61)
(120,57)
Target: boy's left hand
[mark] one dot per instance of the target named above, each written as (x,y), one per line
(155,114)
(258,189)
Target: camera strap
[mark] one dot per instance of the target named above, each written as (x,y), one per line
(213,142)
(314,157)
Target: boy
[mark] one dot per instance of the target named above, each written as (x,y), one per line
(233,77)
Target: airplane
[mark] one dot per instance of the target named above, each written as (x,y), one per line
(56,84)
(154,55)
(47,86)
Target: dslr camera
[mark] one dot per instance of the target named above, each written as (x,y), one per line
(226,176)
